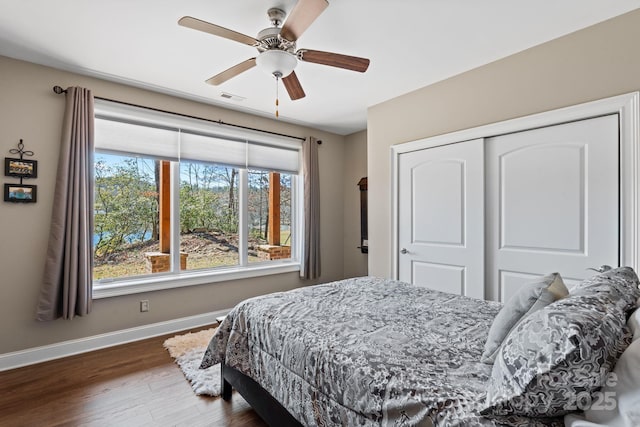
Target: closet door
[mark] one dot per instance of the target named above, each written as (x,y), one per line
(441,218)
(552,203)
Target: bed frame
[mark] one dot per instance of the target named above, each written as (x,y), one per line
(265,405)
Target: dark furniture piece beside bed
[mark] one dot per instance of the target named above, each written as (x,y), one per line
(260,400)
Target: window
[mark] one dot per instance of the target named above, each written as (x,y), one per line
(209,215)
(269,208)
(125,215)
(183,201)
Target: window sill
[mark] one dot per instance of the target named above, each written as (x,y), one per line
(171,281)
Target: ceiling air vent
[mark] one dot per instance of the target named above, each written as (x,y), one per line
(232,97)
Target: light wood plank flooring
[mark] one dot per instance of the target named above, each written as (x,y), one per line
(135,384)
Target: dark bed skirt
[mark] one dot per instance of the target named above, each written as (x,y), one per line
(265,405)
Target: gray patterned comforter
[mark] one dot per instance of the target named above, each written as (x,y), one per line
(364,352)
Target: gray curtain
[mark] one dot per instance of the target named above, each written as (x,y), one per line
(311,245)
(66,288)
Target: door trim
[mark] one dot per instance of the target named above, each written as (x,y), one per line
(627,107)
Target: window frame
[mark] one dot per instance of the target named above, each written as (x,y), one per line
(175,278)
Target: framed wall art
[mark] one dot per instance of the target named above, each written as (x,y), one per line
(21,168)
(20,193)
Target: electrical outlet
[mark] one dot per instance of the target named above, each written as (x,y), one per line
(144,305)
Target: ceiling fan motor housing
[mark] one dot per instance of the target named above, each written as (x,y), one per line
(269,38)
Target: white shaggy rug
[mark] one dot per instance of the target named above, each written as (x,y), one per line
(187,350)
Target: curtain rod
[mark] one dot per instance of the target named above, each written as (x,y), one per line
(59,90)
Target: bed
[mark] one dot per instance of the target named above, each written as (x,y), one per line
(368,351)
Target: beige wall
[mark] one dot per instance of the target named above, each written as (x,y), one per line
(355,168)
(590,64)
(30,110)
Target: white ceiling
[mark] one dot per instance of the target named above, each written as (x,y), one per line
(411,44)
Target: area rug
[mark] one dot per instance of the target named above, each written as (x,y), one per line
(187,350)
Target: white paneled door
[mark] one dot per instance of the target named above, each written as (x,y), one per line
(483,217)
(441,218)
(552,203)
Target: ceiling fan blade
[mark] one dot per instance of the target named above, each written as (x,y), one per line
(292,84)
(232,72)
(301,17)
(216,30)
(353,63)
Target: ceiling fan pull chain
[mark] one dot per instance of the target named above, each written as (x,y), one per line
(277,102)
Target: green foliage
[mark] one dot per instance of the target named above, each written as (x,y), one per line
(126,204)
(197,208)
(208,198)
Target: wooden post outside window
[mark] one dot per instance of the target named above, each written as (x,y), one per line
(274,209)
(165,207)
(159,262)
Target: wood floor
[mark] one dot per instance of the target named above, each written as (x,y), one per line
(135,384)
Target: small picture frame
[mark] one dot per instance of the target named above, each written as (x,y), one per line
(19,193)
(20,168)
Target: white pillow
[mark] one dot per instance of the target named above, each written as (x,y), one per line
(529,299)
(617,404)
(577,420)
(634,323)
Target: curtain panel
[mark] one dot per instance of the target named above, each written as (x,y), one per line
(311,246)
(67,285)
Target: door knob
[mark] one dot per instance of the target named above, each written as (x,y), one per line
(404,251)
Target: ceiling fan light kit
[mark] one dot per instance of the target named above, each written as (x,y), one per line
(276,45)
(278,63)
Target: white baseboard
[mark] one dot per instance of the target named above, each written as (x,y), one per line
(45,353)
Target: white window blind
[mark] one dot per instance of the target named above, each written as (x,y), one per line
(118,137)
(273,158)
(201,148)
(125,129)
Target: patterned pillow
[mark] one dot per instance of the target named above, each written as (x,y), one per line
(529,298)
(618,286)
(557,357)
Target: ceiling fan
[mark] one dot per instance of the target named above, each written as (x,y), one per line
(278,54)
